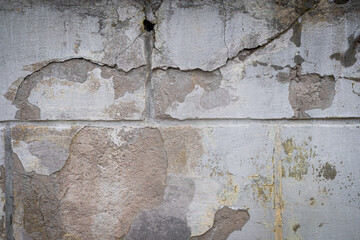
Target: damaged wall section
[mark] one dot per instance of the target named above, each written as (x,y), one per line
(171,119)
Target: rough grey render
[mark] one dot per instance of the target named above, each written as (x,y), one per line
(179,120)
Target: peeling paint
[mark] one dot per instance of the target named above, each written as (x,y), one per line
(226,221)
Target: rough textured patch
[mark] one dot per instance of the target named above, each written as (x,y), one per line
(167,221)
(43,150)
(183,147)
(172,86)
(226,221)
(73,82)
(99,192)
(236,91)
(310,91)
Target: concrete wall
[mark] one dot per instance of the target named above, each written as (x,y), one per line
(175,119)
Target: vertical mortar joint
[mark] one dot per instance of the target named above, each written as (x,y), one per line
(149,24)
(9,194)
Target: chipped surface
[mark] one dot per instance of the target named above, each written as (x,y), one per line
(179,119)
(102,31)
(100,190)
(113,93)
(208,33)
(226,221)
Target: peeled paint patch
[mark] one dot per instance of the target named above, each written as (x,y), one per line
(100,190)
(172,86)
(167,221)
(75,81)
(310,91)
(226,221)
(118,182)
(43,150)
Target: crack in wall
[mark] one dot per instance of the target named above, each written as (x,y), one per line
(9,193)
(149,46)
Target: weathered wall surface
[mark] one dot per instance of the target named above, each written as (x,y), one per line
(174,119)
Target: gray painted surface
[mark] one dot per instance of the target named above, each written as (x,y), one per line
(236,120)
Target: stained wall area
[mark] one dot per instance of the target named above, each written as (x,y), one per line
(177,120)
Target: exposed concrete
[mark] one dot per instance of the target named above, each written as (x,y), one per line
(167,221)
(310,91)
(74,81)
(178,120)
(9,191)
(85,199)
(226,221)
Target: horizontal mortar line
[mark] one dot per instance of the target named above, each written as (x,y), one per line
(191,122)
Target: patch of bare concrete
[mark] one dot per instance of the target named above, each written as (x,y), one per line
(173,85)
(75,70)
(226,221)
(167,221)
(310,91)
(111,176)
(184,148)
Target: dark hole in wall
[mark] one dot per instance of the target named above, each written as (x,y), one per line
(341,1)
(148,26)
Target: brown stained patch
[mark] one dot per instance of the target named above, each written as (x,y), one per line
(100,190)
(263,190)
(29,134)
(125,110)
(295,227)
(37,66)
(37,202)
(172,86)
(328,11)
(71,237)
(105,186)
(184,148)
(328,171)
(310,91)
(297,158)
(74,70)
(11,92)
(226,221)
(125,82)
(288,10)
(312,201)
